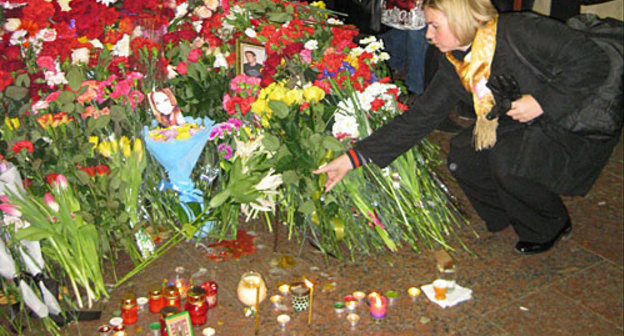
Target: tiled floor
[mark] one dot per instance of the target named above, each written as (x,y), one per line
(575,289)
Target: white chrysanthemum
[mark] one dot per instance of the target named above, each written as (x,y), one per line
(18,37)
(368,40)
(374,47)
(356,52)
(220,61)
(384,56)
(345,125)
(311,45)
(106,2)
(333,21)
(122,47)
(181,10)
(250,33)
(96,44)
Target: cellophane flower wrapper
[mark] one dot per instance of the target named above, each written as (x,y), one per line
(178,157)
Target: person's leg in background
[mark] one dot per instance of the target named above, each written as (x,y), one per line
(564,9)
(415,53)
(395,44)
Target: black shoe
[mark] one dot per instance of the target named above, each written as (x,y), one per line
(449,126)
(528,248)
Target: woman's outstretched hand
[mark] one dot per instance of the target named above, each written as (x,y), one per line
(335,170)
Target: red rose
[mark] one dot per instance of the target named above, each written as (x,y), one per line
(293,49)
(23,144)
(181,68)
(89,170)
(5,79)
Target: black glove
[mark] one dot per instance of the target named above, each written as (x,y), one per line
(505,90)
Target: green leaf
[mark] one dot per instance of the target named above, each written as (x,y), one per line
(279,108)
(254,6)
(83,177)
(329,142)
(270,142)
(75,78)
(102,121)
(279,17)
(219,198)
(32,233)
(78,158)
(117,113)
(22,80)
(307,207)
(69,108)
(66,97)
(290,177)
(16,92)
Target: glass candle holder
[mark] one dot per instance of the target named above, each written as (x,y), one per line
(181,281)
(353,319)
(196,305)
(339,307)
(276,300)
(211,288)
(129,309)
(250,286)
(172,297)
(104,330)
(413,292)
(283,320)
(392,297)
(155,299)
(284,289)
(300,296)
(359,295)
(164,313)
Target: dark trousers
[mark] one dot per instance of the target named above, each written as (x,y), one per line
(500,198)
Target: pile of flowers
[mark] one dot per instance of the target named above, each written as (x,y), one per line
(73,80)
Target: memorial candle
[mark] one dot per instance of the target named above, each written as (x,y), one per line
(378,306)
(310,285)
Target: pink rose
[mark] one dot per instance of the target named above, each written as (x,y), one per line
(181,68)
(306,55)
(194,55)
(46,62)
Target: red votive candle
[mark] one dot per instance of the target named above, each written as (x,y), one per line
(129,309)
(196,305)
(378,306)
(156,300)
(172,297)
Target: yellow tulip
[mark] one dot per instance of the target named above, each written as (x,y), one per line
(319,4)
(313,94)
(12,123)
(278,93)
(105,149)
(94,140)
(124,143)
(259,107)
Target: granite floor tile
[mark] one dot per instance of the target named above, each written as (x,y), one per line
(599,289)
(550,313)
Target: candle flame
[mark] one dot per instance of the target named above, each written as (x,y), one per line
(308,284)
(377,301)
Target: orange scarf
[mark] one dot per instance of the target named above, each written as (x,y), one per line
(474,72)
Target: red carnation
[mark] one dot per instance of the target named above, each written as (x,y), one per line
(23,144)
(38,11)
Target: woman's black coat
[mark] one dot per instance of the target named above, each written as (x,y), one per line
(565,162)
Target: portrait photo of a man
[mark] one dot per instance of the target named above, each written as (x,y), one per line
(250,59)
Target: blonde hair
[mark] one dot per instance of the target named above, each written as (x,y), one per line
(464,16)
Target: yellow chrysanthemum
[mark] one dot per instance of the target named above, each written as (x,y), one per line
(294,96)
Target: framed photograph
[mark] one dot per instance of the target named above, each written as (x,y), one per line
(251,57)
(179,324)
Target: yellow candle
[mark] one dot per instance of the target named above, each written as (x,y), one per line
(257,282)
(311,286)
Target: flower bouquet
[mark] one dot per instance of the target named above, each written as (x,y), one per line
(177,149)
